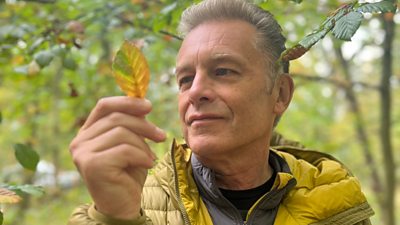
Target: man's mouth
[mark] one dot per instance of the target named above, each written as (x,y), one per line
(195,118)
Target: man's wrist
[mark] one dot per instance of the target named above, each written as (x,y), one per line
(134,219)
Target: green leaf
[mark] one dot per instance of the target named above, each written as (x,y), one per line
(376,7)
(342,11)
(347,26)
(36,44)
(1,218)
(27,189)
(26,156)
(159,24)
(297,1)
(44,58)
(22,69)
(311,39)
(58,50)
(69,63)
(168,9)
(1,117)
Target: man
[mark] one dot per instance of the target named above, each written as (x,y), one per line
(232,93)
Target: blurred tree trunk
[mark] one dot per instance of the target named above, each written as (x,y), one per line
(360,127)
(55,129)
(28,176)
(384,188)
(22,208)
(388,213)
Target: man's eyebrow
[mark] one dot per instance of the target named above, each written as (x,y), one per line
(181,69)
(214,58)
(228,58)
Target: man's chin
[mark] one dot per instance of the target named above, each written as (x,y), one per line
(205,145)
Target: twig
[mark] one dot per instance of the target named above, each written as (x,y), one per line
(337,82)
(126,21)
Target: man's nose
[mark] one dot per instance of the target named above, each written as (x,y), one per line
(202,89)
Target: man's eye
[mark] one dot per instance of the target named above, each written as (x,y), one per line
(222,71)
(185,80)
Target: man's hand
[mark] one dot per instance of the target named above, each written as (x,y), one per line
(112,156)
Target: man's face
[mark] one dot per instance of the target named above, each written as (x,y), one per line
(225,103)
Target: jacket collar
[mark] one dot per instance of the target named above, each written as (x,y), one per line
(223,212)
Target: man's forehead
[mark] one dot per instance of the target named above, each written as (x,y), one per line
(217,29)
(219,38)
(214,57)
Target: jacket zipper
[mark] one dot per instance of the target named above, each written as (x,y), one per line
(265,197)
(178,194)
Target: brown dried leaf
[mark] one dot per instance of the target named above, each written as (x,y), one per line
(7,196)
(293,53)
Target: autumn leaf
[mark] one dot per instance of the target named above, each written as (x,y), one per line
(293,53)
(7,196)
(131,70)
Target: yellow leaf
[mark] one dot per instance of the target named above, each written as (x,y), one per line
(7,196)
(131,70)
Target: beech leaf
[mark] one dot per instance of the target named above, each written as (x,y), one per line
(313,38)
(26,189)
(69,63)
(8,196)
(44,58)
(26,156)
(376,7)
(131,70)
(293,53)
(347,26)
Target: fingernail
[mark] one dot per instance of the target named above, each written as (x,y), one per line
(153,155)
(147,102)
(161,133)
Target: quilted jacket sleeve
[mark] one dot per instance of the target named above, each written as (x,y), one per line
(364,222)
(88,215)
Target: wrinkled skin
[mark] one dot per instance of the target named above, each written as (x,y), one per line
(112,156)
(226,106)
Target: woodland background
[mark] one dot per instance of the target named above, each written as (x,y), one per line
(55,63)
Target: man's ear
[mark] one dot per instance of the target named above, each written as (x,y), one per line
(285,93)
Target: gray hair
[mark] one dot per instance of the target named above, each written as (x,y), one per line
(270,38)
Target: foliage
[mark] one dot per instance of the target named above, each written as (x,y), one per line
(24,189)
(343,23)
(29,159)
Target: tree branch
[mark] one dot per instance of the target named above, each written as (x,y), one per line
(337,82)
(42,1)
(386,116)
(130,23)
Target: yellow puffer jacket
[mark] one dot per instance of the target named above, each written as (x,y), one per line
(325,193)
